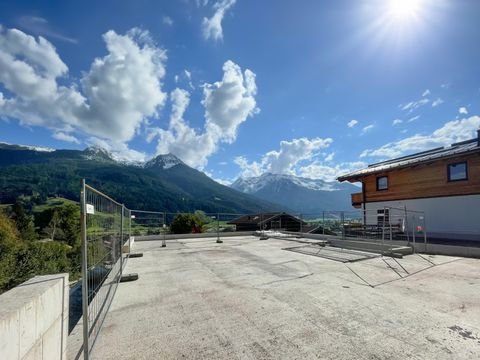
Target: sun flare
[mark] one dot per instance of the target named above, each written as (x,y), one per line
(404,10)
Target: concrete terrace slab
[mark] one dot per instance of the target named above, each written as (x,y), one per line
(249,299)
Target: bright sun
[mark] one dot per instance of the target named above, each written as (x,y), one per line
(404,10)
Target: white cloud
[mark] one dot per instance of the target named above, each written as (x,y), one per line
(437,102)
(426,93)
(228,103)
(286,159)
(329,173)
(212,27)
(329,157)
(413,118)
(413,105)
(367,128)
(119,151)
(59,135)
(451,132)
(463,110)
(111,101)
(397,122)
(167,20)
(40,26)
(352,123)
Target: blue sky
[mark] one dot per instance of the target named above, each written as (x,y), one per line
(239,88)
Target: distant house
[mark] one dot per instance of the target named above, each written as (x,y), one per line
(444,183)
(268,221)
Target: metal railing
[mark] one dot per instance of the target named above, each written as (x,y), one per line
(105,231)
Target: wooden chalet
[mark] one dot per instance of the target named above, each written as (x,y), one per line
(444,183)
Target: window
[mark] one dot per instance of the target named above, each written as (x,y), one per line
(383,217)
(457,171)
(382,183)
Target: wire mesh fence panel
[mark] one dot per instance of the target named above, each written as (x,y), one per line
(147,222)
(104,229)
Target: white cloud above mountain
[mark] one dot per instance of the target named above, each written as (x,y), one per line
(287,159)
(228,103)
(451,132)
(110,101)
(65,137)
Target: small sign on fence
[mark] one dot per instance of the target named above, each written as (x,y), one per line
(90,209)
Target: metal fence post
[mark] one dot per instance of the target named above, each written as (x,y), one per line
(323,223)
(301,225)
(121,239)
(424,232)
(406,224)
(383,230)
(164,226)
(413,237)
(218,229)
(83,235)
(342,217)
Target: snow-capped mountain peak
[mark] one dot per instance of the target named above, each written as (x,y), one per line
(164,162)
(97,153)
(254,184)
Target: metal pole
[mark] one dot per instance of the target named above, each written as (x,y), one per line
(301,226)
(413,237)
(383,231)
(121,240)
(218,229)
(83,235)
(406,224)
(323,222)
(129,232)
(164,226)
(390,226)
(424,233)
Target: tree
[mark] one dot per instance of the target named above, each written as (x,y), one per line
(70,223)
(10,245)
(183,223)
(24,222)
(53,226)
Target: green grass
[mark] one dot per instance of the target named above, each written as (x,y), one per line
(51,203)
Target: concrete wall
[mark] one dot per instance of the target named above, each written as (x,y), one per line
(34,319)
(453,217)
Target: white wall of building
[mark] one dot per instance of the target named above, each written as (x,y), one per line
(455,217)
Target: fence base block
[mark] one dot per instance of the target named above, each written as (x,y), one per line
(129,277)
(135,255)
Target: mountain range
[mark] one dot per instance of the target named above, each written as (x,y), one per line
(164,183)
(302,195)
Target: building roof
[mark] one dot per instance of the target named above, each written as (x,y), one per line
(461,148)
(259,218)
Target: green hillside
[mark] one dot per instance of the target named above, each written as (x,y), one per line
(153,186)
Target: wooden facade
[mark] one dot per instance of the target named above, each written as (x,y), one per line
(424,180)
